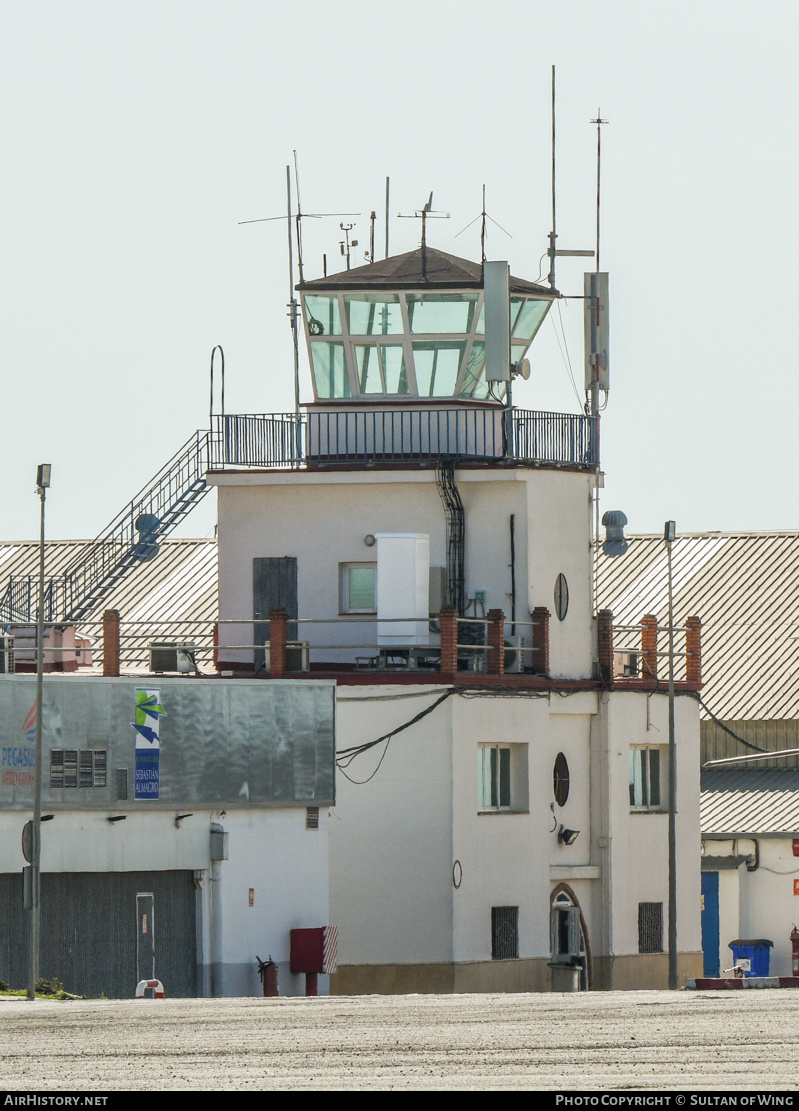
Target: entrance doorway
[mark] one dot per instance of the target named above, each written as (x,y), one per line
(568,935)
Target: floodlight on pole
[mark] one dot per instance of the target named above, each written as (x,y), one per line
(42,485)
(669,536)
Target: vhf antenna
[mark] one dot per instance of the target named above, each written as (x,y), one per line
(598,121)
(553,234)
(292,304)
(553,252)
(483,216)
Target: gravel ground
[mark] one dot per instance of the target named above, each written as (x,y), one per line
(689,1041)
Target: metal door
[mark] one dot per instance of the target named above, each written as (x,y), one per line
(274,583)
(710,923)
(145,937)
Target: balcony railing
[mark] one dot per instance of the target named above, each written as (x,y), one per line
(320,438)
(630,656)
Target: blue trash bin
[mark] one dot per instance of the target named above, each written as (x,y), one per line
(755,950)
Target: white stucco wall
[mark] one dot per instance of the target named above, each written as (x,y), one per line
(286,865)
(769,907)
(634,843)
(396,839)
(269,851)
(502,855)
(559,541)
(391,836)
(322,519)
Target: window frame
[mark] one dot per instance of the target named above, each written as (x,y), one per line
(470,382)
(344,569)
(640,773)
(493,779)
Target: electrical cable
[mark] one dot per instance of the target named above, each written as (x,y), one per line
(346,755)
(565,353)
(725,728)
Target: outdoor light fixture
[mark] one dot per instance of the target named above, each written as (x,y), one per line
(34,917)
(669,536)
(116,818)
(179,818)
(567,836)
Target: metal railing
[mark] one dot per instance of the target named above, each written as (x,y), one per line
(317,438)
(404,435)
(131,537)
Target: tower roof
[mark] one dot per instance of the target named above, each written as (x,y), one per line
(424,268)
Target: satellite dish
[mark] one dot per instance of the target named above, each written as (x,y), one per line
(522,369)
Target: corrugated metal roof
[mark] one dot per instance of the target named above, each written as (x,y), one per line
(745,588)
(747,801)
(174,590)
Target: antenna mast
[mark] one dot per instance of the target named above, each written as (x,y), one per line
(298,218)
(386,255)
(598,121)
(552,234)
(292,305)
(424,213)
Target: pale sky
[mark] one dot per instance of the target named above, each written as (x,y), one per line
(136,136)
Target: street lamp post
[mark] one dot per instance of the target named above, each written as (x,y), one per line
(42,483)
(669,535)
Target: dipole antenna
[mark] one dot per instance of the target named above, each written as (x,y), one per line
(483,216)
(598,121)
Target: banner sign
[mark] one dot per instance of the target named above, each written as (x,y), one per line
(149,711)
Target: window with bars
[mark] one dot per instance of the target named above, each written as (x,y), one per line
(504,933)
(71,767)
(312,817)
(650,927)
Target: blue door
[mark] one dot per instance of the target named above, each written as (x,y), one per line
(710,922)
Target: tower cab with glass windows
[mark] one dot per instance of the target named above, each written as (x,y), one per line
(411,328)
(405,364)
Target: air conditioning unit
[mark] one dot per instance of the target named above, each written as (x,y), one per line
(6,655)
(626,665)
(172,657)
(517,655)
(297,656)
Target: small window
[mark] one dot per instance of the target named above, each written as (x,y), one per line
(650,927)
(312,817)
(71,767)
(561,597)
(504,933)
(560,778)
(645,767)
(493,777)
(357,586)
